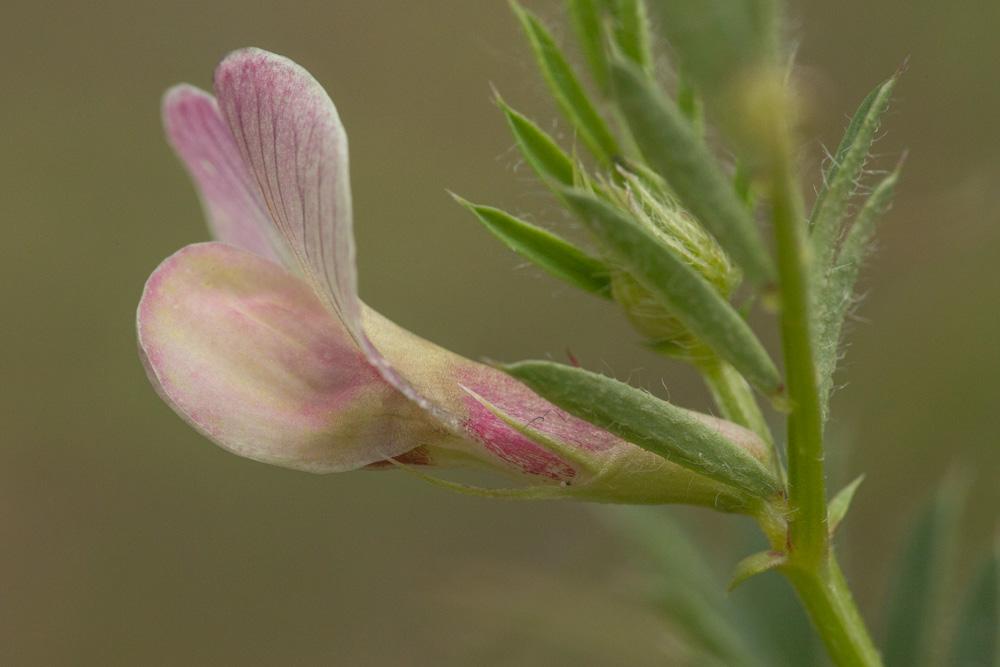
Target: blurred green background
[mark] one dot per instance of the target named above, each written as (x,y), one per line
(125,538)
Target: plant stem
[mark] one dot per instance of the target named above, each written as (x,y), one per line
(807,492)
(827,598)
(812,566)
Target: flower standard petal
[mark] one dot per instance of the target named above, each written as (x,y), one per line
(291,138)
(247,354)
(232,202)
(293,143)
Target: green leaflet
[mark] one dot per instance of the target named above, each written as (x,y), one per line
(632,33)
(835,294)
(841,179)
(977,638)
(557,256)
(714,40)
(915,611)
(673,433)
(681,289)
(837,509)
(566,88)
(671,146)
(588,22)
(541,151)
(755,564)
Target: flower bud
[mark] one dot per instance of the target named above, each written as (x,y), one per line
(645,198)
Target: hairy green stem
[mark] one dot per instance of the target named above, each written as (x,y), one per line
(827,598)
(812,566)
(807,487)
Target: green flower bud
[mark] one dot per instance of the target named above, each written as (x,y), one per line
(645,198)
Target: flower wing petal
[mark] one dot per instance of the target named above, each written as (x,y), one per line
(230,197)
(247,354)
(291,138)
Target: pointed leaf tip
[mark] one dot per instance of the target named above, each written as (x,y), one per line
(566,88)
(841,502)
(549,251)
(542,152)
(845,171)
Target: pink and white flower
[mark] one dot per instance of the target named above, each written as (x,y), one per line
(259,340)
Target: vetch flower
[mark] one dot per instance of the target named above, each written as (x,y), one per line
(260,341)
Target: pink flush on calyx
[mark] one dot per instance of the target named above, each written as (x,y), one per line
(259,340)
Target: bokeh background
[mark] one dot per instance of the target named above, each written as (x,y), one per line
(125,538)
